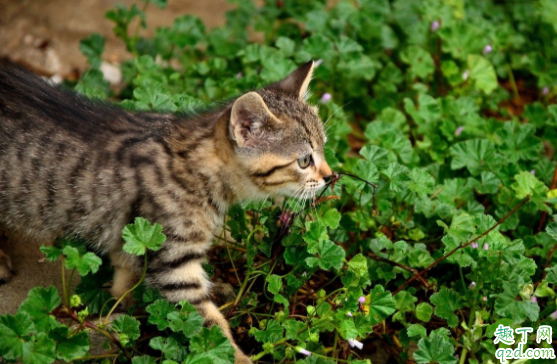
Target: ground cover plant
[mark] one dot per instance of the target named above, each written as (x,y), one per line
(445,108)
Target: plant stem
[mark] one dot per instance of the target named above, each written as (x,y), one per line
(64,289)
(513,83)
(463,356)
(416,276)
(128,291)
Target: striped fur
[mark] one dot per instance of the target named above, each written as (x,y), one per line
(71,166)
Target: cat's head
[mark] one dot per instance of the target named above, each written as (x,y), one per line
(278,138)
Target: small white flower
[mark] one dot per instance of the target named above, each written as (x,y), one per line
(465,75)
(355,344)
(318,62)
(326,98)
(303,351)
(349,314)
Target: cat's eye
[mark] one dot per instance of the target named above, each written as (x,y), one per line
(304,162)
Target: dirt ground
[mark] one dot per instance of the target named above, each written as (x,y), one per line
(44,36)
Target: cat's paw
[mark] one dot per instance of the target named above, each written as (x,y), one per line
(5,267)
(242,358)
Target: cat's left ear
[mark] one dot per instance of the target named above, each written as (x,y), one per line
(247,117)
(297,82)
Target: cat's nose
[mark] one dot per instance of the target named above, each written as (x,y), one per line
(328,178)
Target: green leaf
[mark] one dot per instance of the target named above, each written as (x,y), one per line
(482,73)
(507,306)
(126,326)
(331,256)
(52,253)
(272,333)
(358,265)
(144,359)
(85,264)
(447,301)
(421,181)
(420,61)
(381,304)
(315,233)
(141,235)
(397,175)
(294,330)
(275,283)
(210,346)
(404,301)
(375,155)
(19,341)
(416,330)
(187,321)
(477,155)
(347,329)
(519,142)
(169,347)
(93,48)
(159,311)
(551,276)
(331,218)
(435,349)
(424,311)
(39,303)
(528,185)
(161,4)
(488,184)
(68,347)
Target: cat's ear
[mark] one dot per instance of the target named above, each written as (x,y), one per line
(297,82)
(249,113)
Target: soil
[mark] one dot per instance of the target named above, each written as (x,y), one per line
(44,37)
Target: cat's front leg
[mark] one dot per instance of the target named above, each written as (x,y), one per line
(177,271)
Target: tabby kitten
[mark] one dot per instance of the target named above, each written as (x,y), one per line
(70,166)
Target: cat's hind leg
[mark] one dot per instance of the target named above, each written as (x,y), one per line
(125,275)
(178,272)
(5,267)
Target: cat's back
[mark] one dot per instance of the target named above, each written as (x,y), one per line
(66,162)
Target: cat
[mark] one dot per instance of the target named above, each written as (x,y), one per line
(71,166)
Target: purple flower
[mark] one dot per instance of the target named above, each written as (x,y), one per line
(487,49)
(362,299)
(304,274)
(318,63)
(545,90)
(486,247)
(326,98)
(533,172)
(349,314)
(434,26)
(465,75)
(355,343)
(239,75)
(303,351)
(534,299)
(472,285)
(459,131)
(554,315)
(285,218)
(475,245)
